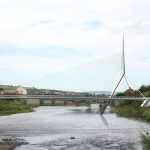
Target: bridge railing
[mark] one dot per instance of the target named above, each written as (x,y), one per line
(73,97)
(46,97)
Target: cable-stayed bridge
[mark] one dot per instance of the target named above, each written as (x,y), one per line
(103,74)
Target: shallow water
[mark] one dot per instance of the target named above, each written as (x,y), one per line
(72,128)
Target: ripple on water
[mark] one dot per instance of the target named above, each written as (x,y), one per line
(50,128)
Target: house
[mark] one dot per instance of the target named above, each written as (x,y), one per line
(12,90)
(129,91)
(21,91)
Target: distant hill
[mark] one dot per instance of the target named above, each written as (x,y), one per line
(102,92)
(8,87)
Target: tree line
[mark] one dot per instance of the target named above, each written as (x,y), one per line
(145,89)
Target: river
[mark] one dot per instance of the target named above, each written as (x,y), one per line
(70,128)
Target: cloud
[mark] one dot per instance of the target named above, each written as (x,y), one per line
(67,31)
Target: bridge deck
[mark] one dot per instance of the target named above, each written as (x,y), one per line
(54,97)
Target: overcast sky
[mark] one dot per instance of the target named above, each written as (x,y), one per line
(38,37)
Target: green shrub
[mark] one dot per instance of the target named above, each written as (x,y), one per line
(133,109)
(146,115)
(145,142)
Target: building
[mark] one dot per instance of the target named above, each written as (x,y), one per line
(129,91)
(12,90)
(21,91)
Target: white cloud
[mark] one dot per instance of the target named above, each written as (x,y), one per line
(45,23)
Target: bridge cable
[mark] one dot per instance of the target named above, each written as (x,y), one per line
(104,68)
(109,129)
(137,89)
(126,81)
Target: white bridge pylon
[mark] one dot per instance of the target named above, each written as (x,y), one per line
(146,101)
(123,76)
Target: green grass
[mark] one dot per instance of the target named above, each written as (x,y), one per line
(146,93)
(133,109)
(14,106)
(83,103)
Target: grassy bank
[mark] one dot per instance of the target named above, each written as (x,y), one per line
(14,106)
(133,109)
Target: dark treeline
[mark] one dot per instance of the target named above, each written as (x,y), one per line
(145,89)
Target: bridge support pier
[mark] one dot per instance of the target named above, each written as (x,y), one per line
(41,102)
(65,103)
(88,103)
(77,103)
(33,102)
(101,103)
(112,103)
(46,102)
(53,102)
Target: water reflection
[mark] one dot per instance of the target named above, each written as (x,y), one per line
(52,128)
(89,110)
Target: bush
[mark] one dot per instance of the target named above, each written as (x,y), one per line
(145,142)
(146,115)
(133,109)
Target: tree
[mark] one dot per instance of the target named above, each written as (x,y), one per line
(120,94)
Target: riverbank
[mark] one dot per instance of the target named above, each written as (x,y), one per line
(19,106)
(60,124)
(146,141)
(14,106)
(132,109)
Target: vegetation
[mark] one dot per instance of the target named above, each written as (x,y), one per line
(144,88)
(147,94)
(133,109)
(14,106)
(146,141)
(35,91)
(83,103)
(136,93)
